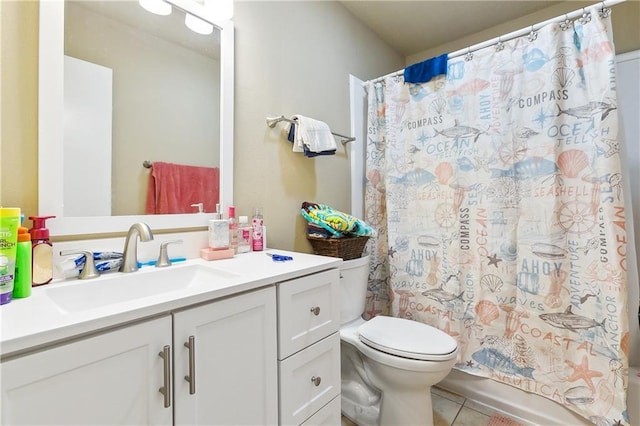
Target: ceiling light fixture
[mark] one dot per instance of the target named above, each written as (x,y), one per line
(197,25)
(159,7)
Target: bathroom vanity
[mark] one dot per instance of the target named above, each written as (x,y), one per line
(237,341)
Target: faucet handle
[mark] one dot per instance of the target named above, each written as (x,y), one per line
(89,270)
(163,258)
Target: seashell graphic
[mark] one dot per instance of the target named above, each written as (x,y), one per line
(509,251)
(572,162)
(548,251)
(444,172)
(491,282)
(438,106)
(563,77)
(579,395)
(487,311)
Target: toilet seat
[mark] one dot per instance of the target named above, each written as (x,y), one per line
(408,339)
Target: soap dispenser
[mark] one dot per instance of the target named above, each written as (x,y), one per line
(41,251)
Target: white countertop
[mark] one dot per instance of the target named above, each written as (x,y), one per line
(29,323)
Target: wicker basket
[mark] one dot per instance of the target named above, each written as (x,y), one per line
(347,248)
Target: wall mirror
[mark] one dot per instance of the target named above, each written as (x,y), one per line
(170,101)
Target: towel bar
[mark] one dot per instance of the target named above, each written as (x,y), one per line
(272,121)
(147,164)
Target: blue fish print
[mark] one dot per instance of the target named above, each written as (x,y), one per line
(415,177)
(496,360)
(530,168)
(465,164)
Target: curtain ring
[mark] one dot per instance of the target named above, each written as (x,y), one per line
(585,18)
(533,35)
(605,12)
(499,45)
(469,55)
(566,24)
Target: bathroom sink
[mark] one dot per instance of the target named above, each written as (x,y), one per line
(121,287)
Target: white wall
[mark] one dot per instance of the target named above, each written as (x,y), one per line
(296,57)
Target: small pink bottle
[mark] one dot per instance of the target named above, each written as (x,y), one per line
(257,236)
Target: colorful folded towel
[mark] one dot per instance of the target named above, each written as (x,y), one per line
(339,224)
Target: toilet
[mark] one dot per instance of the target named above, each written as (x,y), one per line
(388,364)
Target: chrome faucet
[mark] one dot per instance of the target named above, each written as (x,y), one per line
(130,255)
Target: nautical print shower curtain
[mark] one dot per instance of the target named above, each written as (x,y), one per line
(496,193)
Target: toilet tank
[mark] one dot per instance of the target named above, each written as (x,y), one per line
(354,276)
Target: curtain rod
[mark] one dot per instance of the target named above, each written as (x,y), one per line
(517,33)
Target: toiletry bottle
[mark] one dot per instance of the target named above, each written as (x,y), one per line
(233,229)
(218,231)
(9,221)
(244,235)
(22,282)
(41,251)
(257,222)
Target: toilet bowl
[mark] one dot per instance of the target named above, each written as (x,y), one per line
(388,364)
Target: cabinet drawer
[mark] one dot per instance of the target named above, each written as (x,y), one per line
(308,310)
(329,415)
(309,380)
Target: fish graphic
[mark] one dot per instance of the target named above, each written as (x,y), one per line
(588,110)
(441,295)
(570,321)
(496,360)
(526,133)
(415,177)
(529,168)
(460,131)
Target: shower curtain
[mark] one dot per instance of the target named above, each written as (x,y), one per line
(496,192)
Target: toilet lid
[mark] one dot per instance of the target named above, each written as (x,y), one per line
(407,338)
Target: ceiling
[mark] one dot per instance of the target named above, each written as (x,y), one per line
(414,26)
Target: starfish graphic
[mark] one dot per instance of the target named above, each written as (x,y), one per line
(581,371)
(469,363)
(493,260)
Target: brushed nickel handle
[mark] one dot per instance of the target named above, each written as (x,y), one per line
(316,310)
(166,389)
(316,380)
(191,378)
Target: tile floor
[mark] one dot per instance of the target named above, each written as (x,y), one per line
(450,409)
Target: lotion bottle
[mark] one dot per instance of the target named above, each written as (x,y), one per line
(244,235)
(41,251)
(233,229)
(257,236)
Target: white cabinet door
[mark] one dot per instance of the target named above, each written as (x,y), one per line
(233,362)
(109,379)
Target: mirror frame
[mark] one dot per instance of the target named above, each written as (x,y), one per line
(50,130)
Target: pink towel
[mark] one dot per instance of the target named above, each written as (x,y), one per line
(174,187)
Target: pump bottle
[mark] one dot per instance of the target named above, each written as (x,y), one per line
(22,282)
(41,251)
